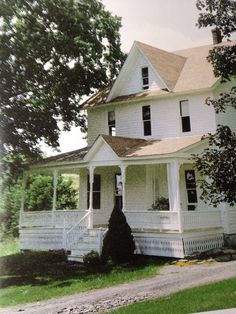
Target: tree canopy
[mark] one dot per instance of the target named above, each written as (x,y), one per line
(52,53)
(218,162)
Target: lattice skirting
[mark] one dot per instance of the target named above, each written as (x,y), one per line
(176,245)
(41,239)
(159,245)
(202,243)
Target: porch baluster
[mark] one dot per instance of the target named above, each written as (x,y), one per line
(22,205)
(174,190)
(91,180)
(54,200)
(123,175)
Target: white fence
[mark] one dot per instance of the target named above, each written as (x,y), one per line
(57,219)
(201,219)
(164,220)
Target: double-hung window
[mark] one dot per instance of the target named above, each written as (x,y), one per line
(112,123)
(185,117)
(96,191)
(147,130)
(145,78)
(191,189)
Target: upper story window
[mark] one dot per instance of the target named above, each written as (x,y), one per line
(147,130)
(145,78)
(185,117)
(112,123)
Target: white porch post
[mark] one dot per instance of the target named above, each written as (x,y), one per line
(54,199)
(174,190)
(91,180)
(22,204)
(123,176)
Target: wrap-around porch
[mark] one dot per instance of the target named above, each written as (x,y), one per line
(153,183)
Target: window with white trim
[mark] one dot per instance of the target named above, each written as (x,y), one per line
(145,77)
(185,117)
(146,111)
(112,123)
(191,189)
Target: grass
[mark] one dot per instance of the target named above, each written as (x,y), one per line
(34,276)
(9,247)
(216,296)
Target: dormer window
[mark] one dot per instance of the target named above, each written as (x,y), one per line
(185,117)
(112,123)
(147,130)
(145,78)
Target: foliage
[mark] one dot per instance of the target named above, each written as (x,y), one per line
(214,296)
(38,196)
(217,163)
(52,53)
(35,276)
(92,259)
(224,101)
(118,242)
(218,160)
(217,12)
(161,203)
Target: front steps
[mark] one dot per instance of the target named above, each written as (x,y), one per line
(91,240)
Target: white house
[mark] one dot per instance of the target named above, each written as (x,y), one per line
(142,133)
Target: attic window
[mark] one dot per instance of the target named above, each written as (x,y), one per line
(185,117)
(147,120)
(112,123)
(145,78)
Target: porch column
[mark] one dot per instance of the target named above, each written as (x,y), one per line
(123,176)
(174,190)
(91,180)
(54,199)
(22,203)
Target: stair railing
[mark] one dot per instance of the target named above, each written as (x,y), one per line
(73,235)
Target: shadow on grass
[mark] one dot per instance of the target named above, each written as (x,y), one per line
(43,268)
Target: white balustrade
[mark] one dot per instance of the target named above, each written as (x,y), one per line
(72,236)
(163,220)
(201,219)
(57,219)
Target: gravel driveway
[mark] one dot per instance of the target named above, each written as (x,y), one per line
(172,278)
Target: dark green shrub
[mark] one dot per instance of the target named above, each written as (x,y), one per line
(118,242)
(92,259)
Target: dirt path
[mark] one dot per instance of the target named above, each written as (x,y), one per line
(171,279)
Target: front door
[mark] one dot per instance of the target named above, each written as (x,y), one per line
(118,191)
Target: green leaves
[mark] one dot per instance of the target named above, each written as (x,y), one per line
(53,52)
(220,13)
(217,165)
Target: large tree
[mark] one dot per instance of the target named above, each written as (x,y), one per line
(218,162)
(52,53)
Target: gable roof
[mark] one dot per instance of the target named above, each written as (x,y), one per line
(167,64)
(125,147)
(183,71)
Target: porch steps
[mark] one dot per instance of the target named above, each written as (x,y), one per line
(89,242)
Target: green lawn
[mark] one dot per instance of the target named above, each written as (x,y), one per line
(34,276)
(220,295)
(9,247)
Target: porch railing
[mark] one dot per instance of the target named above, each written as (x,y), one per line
(72,236)
(202,219)
(57,219)
(167,220)
(164,220)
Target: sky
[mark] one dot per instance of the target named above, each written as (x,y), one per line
(165,24)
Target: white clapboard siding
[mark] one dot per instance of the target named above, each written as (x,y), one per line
(165,118)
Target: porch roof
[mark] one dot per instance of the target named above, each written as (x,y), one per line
(125,147)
